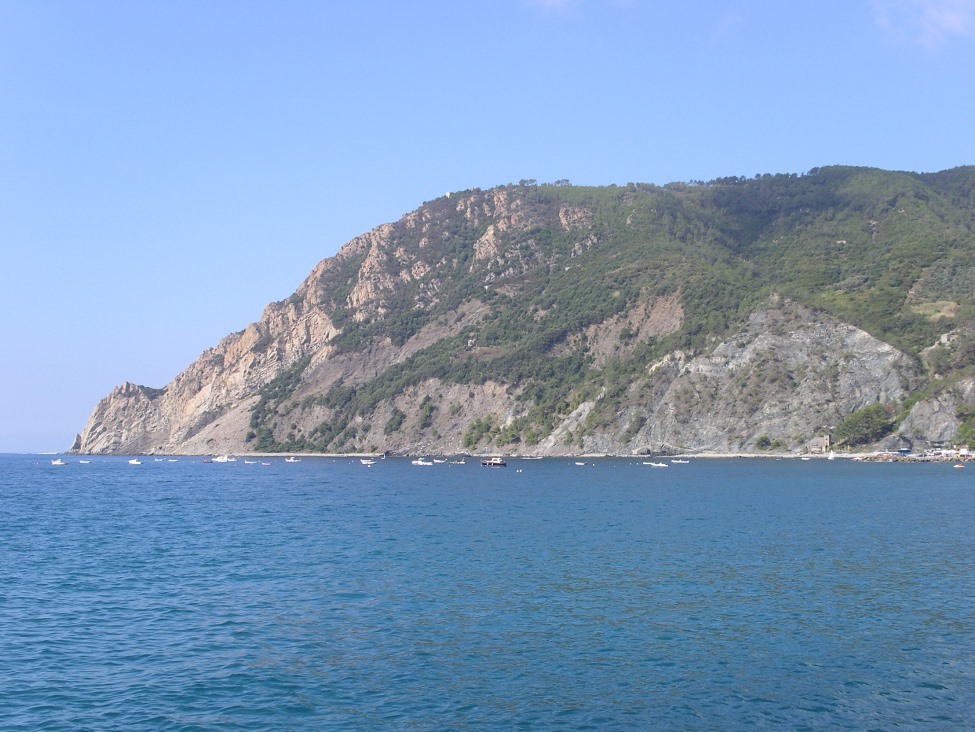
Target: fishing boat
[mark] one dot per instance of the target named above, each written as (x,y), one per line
(494,462)
(292,460)
(58,461)
(656,465)
(422,461)
(135,461)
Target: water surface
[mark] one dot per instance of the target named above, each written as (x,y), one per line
(329,595)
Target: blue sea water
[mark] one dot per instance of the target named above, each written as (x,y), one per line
(718,595)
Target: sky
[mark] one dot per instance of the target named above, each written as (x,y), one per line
(167,169)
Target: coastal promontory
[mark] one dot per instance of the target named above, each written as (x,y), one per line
(741,314)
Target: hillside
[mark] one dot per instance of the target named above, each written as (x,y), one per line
(555,319)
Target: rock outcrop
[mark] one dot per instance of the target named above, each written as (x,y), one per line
(543,321)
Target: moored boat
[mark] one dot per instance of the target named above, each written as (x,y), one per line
(494,462)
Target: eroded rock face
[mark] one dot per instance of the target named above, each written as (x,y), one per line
(936,420)
(137,419)
(789,373)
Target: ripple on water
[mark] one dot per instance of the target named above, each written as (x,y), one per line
(724,595)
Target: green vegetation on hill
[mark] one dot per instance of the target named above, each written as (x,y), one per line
(892,253)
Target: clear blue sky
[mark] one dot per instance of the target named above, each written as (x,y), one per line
(168,168)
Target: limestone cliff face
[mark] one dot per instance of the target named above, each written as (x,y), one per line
(936,419)
(531,321)
(204,408)
(790,374)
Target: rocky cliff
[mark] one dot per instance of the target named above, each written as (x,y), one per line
(556,320)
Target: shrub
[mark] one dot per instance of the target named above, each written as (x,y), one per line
(395,422)
(866,425)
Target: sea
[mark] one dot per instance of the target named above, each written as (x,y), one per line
(327,594)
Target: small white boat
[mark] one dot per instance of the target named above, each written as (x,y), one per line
(367,461)
(494,462)
(680,462)
(832,455)
(135,461)
(264,463)
(85,462)
(58,461)
(421,461)
(656,465)
(292,460)
(224,459)
(250,462)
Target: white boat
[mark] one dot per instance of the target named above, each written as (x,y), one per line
(292,460)
(832,455)
(680,462)
(250,462)
(58,461)
(135,461)
(656,465)
(494,462)
(367,461)
(85,462)
(580,463)
(421,461)
(224,459)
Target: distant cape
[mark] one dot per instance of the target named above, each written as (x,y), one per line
(770,313)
